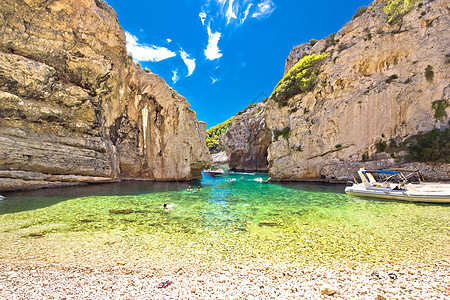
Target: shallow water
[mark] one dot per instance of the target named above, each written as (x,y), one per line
(235,220)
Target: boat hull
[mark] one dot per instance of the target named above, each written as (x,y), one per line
(399,195)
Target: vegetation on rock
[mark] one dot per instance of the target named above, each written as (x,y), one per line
(433,146)
(439,107)
(213,134)
(285,133)
(302,77)
(396,9)
(391,78)
(429,73)
(312,42)
(361,10)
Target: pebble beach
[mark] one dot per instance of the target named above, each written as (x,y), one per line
(271,243)
(88,267)
(64,281)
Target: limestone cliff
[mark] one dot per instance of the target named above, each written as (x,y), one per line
(378,82)
(75,108)
(247,139)
(297,53)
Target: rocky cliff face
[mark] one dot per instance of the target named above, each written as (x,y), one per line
(379,82)
(75,108)
(247,139)
(297,53)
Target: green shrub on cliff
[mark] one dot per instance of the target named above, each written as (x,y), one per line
(396,9)
(439,107)
(213,134)
(302,77)
(360,11)
(433,146)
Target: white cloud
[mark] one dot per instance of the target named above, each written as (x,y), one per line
(141,52)
(236,10)
(264,9)
(190,62)
(202,16)
(213,80)
(246,13)
(175,76)
(168,40)
(212,51)
(230,14)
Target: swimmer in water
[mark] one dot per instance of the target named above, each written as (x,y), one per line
(189,189)
(199,188)
(165,207)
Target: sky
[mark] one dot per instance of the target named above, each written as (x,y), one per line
(223,55)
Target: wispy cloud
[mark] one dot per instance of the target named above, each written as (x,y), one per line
(212,51)
(264,9)
(175,76)
(190,62)
(141,52)
(202,16)
(213,79)
(220,14)
(236,11)
(246,12)
(230,13)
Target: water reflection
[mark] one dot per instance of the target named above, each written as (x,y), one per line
(35,199)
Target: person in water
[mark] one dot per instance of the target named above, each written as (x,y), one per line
(189,189)
(165,207)
(199,188)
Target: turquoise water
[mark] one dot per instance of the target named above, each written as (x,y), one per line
(240,219)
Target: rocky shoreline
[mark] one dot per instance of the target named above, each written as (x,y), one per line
(222,281)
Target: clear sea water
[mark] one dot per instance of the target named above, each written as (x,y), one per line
(232,218)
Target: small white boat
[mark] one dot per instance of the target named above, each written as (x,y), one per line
(395,186)
(213,171)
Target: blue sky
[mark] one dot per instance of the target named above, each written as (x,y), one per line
(222,55)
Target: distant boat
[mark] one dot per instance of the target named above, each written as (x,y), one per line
(213,171)
(2,197)
(395,186)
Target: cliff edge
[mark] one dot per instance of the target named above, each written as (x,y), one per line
(383,78)
(358,98)
(74,107)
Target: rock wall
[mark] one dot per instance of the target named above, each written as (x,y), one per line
(297,53)
(374,86)
(74,107)
(247,140)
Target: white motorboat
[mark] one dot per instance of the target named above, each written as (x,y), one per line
(395,186)
(213,171)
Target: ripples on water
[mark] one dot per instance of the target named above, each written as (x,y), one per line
(241,219)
